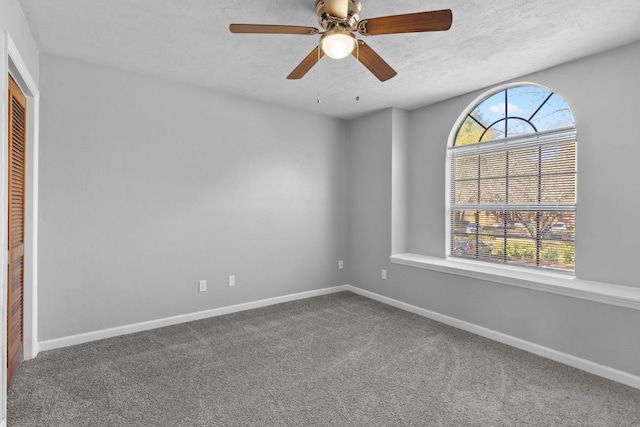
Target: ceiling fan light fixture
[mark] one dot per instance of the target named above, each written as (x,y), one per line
(338,43)
(341,19)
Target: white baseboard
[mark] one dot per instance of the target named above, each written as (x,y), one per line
(169,321)
(31,352)
(549,353)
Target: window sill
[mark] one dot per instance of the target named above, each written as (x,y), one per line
(623,296)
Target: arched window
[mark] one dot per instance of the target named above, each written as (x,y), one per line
(512,182)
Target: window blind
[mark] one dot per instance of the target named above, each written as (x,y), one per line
(513,200)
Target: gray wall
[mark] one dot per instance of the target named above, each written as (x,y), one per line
(369,197)
(603,92)
(148,186)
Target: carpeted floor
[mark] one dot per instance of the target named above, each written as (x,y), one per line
(336,360)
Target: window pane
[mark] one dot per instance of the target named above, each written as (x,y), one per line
(493,190)
(523,189)
(557,226)
(493,165)
(460,219)
(471,228)
(517,127)
(497,248)
(466,167)
(558,159)
(490,110)
(469,133)
(554,114)
(522,224)
(523,161)
(497,131)
(526,100)
(558,189)
(472,247)
(521,251)
(466,192)
(557,254)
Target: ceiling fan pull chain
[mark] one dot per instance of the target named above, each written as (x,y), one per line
(318,100)
(358,68)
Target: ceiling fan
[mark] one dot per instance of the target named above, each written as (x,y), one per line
(340,19)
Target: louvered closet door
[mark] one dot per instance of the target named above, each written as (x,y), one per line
(17,157)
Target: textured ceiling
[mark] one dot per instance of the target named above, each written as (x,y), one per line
(490,41)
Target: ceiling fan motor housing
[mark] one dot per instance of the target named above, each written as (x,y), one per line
(350,23)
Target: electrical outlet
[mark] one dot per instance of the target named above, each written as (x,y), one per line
(202,286)
(232,280)
(340,264)
(384,274)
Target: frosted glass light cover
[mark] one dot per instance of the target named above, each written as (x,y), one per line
(338,46)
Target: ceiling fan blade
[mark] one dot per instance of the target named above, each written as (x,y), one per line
(436,20)
(272,29)
(337,8)
(307,63)
(374,62)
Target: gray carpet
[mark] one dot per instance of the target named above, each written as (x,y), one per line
(336,360)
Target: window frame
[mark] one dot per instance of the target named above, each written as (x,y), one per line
(567,132)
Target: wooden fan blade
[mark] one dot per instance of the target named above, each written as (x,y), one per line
(306,64)
(374,62)
(436,20)
(337,8)
(272,29)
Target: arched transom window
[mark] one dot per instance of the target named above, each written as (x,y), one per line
(513,181)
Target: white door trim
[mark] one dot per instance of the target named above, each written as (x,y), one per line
(20,72)
(11,61)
